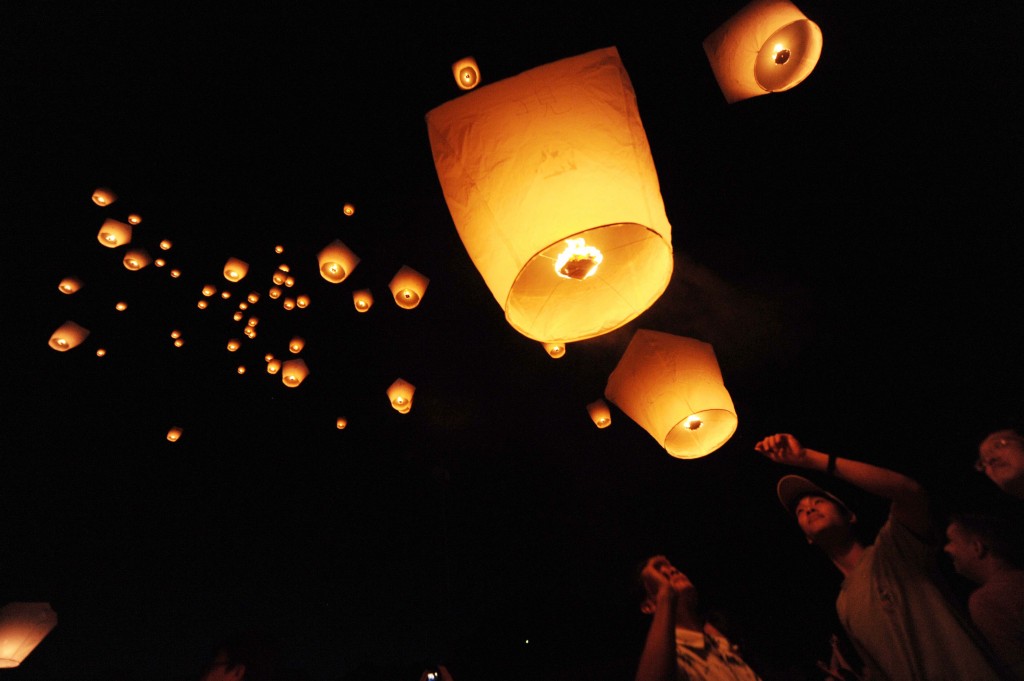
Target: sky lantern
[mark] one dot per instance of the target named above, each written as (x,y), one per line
(174,434)
(69,285)
(293,372)
(274,292)
(467,73)
(175,273)
(400,393)
(165,245)
(273,366)
(101,352)
(175,333)
(550,182)
(233,345)
(249,332)
(159,262)
(134,219)
(279,276)
(279,249)
(341,423)
(103,196)
(243,305)
(556,350)
(302,301)
(136,258)
(252,321)
(288,303)
(235,269)
(672,387)
(201,304)
(289,281)
(253,297)
(408,287)
(296,344)
(348,209)
(600,414)
(225,294)
(241,369)
(68,335)
(768,46)
(336,261)
(121,306)
(362,300)
(23,626)
(114,233)
(178,342)
(237,316)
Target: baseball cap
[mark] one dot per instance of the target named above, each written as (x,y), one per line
(792,488)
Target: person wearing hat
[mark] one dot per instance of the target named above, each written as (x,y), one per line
(895,614)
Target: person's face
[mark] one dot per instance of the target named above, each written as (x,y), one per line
(960,548)
(658,571)
(816,515)
(220,671)
(1001,458)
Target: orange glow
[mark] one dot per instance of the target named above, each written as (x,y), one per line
(253,297)
(68,335)
(103,197)
(136,258)
(134,219)
(241,368)
(101,352)
(235,269)
(400,394)
(121,306)
(209,290)
(289,281)
(302,301)
(296,345)
(23,626)
(288,304)
(268,357)
(556,350)
(165,245)
(225,294)
(274,292)
(175,273)
(178,342)
(159,262)
(233,345)
(201,304)
(114,233)
(279,276)
(336,261)
(293,372)
(253,321)
(249,332)
(69,285)
(467,73)
(348,209)
(237,316)
(175,333)
(578,261)
(279,249)
(341,423)
(174,434)
(408,287)
(273,366)
(600,414)
(362,299)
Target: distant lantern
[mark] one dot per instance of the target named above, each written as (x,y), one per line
(175,333)
(225,294)
(178,342)
(293,372)
(134,219)
(101,352)
(600,414)
(296,345)
(136,258)
(768,46)
(252,321)
(302,301)
(408,287)
(237,316)
(121,306)
(400,393)
(235,269)
(348,209)
(556,350)
(672,387)
(288,304)
(341,423)
(69,285)
(173,434)
(165,245)
(467,73)
(253,297)
(23,626)
(243,305)
(279,276)
(336,261)
(159,262)
(273,365)
(241,369)
(289,281)
(68,335)
(114,233)
(103,196)
(279,249)
(233,345)
(175,273)
(274,292)
(362,299)
(249,332)
(549,179)
(201,304)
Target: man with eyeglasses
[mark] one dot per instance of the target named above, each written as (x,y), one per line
(1001,458)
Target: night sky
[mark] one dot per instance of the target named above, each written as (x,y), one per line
(850,248)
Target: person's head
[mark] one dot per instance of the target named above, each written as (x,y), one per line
(821,515)
(1001,458)
(977,543)
(656,571)
(249,656)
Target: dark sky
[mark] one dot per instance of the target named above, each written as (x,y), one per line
(850,248)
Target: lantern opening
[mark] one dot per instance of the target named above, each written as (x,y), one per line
(578,261)
(788,56)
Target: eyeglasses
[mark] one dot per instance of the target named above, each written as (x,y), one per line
(994,446)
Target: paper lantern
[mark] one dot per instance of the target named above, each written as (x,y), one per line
(23,626)
(121,306)
(173,434)
(348,209)
(252,321)
(201,304)
(279,276)
(165,245)
(600,414)
(408,287)
(362,300)
(302,301)
(159,262)
(67,336)
(274,293)
(288,303)
(175,273)
(336,261)
(103,197)
(293,372)
(273,366)
(178,342)
(289,281)
(225,294)
(237,316)
(467,73)
(136,258)
(69,285)
(768,46)
(235,269)
(241,369)
(249,332)
(550,181)
(134,219)
(175,333)
(114,233)
(267,357)
(341,423)
(253,297)
(233,345)
(400,393)
(296,345)
(556,350)
(672,387)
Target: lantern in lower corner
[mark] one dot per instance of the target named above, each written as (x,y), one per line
(23,626)
(672,387)
(114,233)
(293,372)
(400,393)
(68,335)
(336,261)
(600,414)
(408,287)
(550,181)
(768,46)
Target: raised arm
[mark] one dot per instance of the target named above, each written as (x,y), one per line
(658,659)
(909,499)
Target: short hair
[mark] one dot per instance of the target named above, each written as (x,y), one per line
(999,533)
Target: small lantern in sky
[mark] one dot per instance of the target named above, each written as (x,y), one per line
(302,301)
(467,73)
(114,233)
(134,219)
(165,245)
(235,269)
(768,46)
(274,293)
(136,258)
(241,369)
(159,262)
(400,393)
(341,423)
(293,372)
(551,185)
(23,626)
(233,345)
(201,304)
(273,365)
(336,261)
(408,287)
(672,387)
(288,303)
(174,434)
(69,285)
(225,294)
(296,345)
(600,414)
(175,273)
(68,335)
(237,316)
(279,249)
(101,352)
(348,209)
(556,350)
(279,276)
(121,306)
(178,342)
(103,197)
(253,297)
(362,300)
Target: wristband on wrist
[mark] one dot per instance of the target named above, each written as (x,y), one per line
(830,468)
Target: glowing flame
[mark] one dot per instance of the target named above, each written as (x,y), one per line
(578,261)
(692,422)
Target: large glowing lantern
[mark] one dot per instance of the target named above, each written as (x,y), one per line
(103,197)
(467,73)
(550,182)
(114,233)
(23,626)
(67,336)
(336,261)
(672,387)
(768,46)
(235,269)
(400,393)
(408,287)
(600,414)
(293,372)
